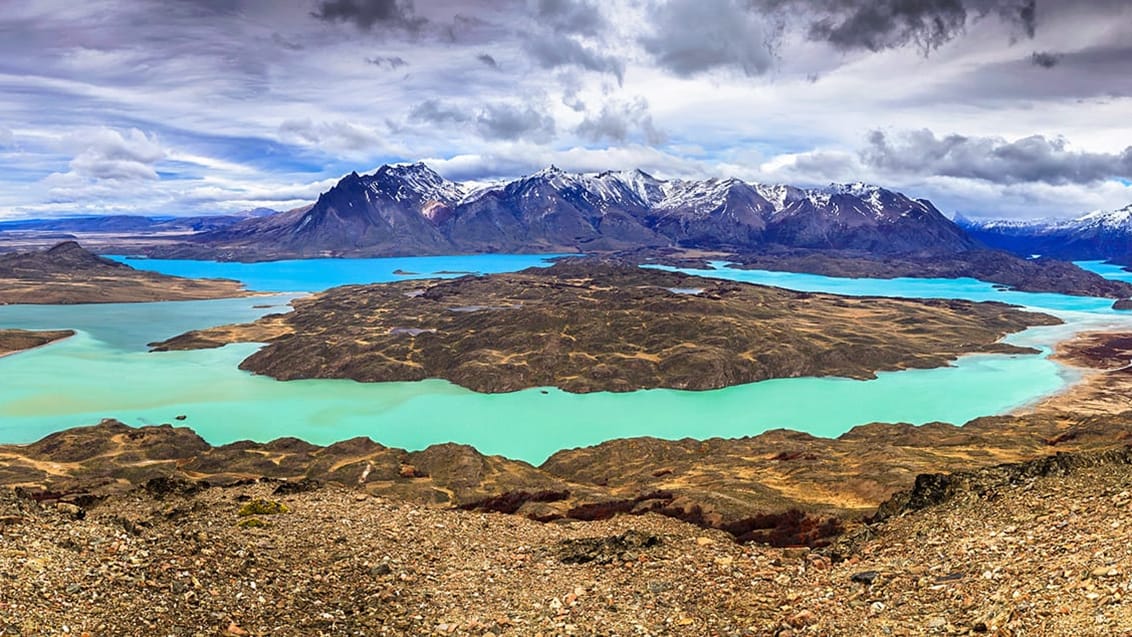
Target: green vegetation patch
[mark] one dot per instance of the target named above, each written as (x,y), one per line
(259,506)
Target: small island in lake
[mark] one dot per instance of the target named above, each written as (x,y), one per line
(68,273)
(12,341)
(586,326)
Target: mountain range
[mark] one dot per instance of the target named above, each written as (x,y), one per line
(409,209)
(132,223)
(1098,235)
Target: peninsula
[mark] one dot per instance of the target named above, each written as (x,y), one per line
(67,273)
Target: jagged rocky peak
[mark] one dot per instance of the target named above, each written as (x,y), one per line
(554,175)
(701,198)
(415,181)
(411,209)
(857,189)
(647,188)
(780,196)
(550,171)
(870,198)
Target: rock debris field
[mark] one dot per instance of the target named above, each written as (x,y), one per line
(1032,556)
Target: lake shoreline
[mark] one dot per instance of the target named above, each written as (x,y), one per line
(226,404)
(1103,358)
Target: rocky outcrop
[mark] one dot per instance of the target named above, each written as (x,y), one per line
(933,489)
(594,326)
(782,488)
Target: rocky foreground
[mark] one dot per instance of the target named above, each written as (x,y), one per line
(597,326)
(1041,548)
(67,274)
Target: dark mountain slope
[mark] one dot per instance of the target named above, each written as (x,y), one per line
(1101,235)
(410,209)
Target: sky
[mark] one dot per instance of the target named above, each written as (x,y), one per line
(990,108)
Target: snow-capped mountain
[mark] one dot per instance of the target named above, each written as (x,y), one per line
(1119,220)
(410,209)
(1101,234)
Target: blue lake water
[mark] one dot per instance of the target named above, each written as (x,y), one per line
(312,275)
(1107,270)
(970,289)
(105,371)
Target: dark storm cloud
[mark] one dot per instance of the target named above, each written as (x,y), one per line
(570,33)
(488,60)
(570,16)
(366,14)
(216,7)
(558,49)
(689,37)
(391,62)
(875,25)
(434,111)
(285,43)
(1095,72)
(498,121)
(513,122)
(993,159)
(475,30)
(619,121)
(1113,60)
(1045,59)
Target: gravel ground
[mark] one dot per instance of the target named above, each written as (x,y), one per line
(1049,557)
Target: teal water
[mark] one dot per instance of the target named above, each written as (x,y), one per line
(1107,270)
(970,289)
(312,275)
(105,372)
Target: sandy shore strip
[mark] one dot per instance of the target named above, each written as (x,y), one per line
(1104,361)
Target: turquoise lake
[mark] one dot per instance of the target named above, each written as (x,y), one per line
(105,372)
(312,275)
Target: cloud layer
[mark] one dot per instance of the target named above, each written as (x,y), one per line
(994,159)
(992,107)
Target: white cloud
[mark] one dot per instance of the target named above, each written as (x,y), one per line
(104,153)
(337,137)
(254,96)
